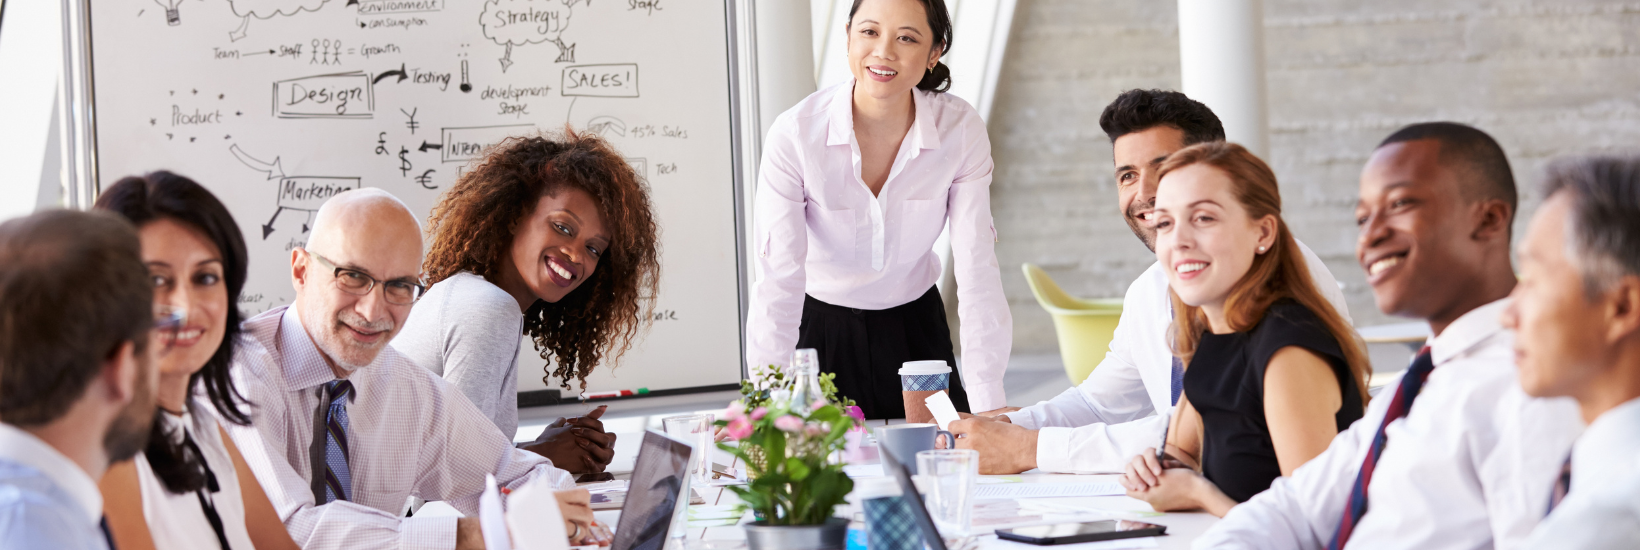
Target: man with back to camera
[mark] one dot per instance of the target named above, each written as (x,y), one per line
(1112,415)
(1451,454)
(76,376)
(346,429)
(1577,315)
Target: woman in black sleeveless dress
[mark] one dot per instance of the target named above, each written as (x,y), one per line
(1273,371)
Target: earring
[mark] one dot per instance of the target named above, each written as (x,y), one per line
(1261,250)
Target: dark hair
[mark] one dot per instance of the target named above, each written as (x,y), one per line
(1477,157)
(164,195)
(472,229)
(1280,273)
(1139,110)
(938,79)
(73,290)
(1603,227)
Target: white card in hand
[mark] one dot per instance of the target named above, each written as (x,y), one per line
(943,410)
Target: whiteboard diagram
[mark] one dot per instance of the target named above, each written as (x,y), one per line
(278,105)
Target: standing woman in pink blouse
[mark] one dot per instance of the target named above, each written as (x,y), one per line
(857,182)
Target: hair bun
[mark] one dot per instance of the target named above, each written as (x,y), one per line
(936,80)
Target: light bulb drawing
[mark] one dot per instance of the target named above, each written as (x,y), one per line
(172,16)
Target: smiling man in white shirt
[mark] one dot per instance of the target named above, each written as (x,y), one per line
(1577,310)
(345,428)
(1112,416)
(1464,459)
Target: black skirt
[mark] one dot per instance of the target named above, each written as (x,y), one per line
(866,348)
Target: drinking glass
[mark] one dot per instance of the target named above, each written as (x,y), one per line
(697,430)
(951,475)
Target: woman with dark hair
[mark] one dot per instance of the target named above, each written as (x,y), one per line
(857,182)
(1273,371)
(190,488)
(552,237)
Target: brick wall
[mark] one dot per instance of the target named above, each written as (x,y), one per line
(1544,78)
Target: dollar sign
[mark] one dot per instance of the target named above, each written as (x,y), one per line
(404,163)
(381,143)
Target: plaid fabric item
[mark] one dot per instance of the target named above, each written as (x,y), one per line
(890,526)
(925,382)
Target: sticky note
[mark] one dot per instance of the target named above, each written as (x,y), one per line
(943,410)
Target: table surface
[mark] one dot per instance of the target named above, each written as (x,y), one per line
(1182,528)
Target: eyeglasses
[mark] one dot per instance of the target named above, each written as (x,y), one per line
(358,283)
(168,322)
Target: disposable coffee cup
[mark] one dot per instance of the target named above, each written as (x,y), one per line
(918,380)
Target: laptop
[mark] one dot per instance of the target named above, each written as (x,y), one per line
(652,505)
(919,511)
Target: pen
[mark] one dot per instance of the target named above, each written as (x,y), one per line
(617,393)
(1161,449)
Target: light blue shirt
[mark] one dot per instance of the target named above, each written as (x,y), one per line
(1602,511)
(46,500)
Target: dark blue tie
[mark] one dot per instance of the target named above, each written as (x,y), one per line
(338,479)
(1411,383)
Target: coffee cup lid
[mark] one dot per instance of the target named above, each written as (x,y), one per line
(925,367)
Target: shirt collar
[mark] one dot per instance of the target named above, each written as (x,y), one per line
(22,447)
(840,125)
(1608,448)
(303,364)
(1468,332)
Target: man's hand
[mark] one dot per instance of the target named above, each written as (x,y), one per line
(579,525)
(469,536)
(1003,447)
(577,445)
(994,413)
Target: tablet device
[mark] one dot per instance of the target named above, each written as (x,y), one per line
(652,497)
(1067,533)
(919,511)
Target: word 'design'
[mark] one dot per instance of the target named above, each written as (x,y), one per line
(344,95)
(612,80)
(464,144)
(308,192)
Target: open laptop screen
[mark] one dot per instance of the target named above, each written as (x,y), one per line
(652,496)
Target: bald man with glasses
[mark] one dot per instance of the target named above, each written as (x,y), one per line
(345,428)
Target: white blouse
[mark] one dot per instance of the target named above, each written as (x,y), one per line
(177,522)
(820,231)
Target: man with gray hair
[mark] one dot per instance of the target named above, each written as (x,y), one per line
(345,427)
(1576,315)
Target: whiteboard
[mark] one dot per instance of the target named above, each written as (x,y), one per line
(276,105)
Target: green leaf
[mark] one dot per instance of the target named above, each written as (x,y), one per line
(796,469)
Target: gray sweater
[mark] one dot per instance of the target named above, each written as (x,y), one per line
(468,331)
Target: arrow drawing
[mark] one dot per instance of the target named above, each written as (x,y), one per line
(273,169)
(267,228)
(383,76)
(506,59)
(425,146)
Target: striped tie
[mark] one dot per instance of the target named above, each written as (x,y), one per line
(1563,485)
(1411,383)
(338,481)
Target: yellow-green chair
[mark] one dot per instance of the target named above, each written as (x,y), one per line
(1085,327)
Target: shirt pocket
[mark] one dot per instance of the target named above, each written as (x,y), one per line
(919,225)
(831,233)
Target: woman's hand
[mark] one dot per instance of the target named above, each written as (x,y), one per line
(1171,485)
(577,445)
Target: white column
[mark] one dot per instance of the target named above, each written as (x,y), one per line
(1221,64)
(785,58)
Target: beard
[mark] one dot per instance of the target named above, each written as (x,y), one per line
(129,431)
(347,354)
(1145,231)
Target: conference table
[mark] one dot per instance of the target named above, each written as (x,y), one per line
(1182,528)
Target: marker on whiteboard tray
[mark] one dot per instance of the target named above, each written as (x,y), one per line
(619,393)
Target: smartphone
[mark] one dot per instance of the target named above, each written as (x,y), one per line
(1067,533)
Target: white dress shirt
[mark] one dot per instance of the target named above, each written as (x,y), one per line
(1099,425)
(1454,470)
(177,521)
(409,433)
(1602,511)
(820,231)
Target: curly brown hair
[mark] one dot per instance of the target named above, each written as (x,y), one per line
(596,322)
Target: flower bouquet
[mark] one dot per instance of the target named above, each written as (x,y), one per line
(789,450)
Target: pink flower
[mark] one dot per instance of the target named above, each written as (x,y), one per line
(855,413)
(759,413)
(818,404)
(734,410)
(739,428)
(788,423)
(815,429)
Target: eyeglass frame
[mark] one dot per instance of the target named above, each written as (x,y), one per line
(336,274)
(168,321)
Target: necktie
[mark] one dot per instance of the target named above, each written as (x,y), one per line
(107,537)
(331,478)
(1563,485)
(1411,383)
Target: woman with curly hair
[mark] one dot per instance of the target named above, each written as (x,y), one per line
(549,236)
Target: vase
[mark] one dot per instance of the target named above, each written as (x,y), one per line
(831,535)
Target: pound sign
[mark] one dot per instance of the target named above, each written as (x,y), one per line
(404,163)
(381,144)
